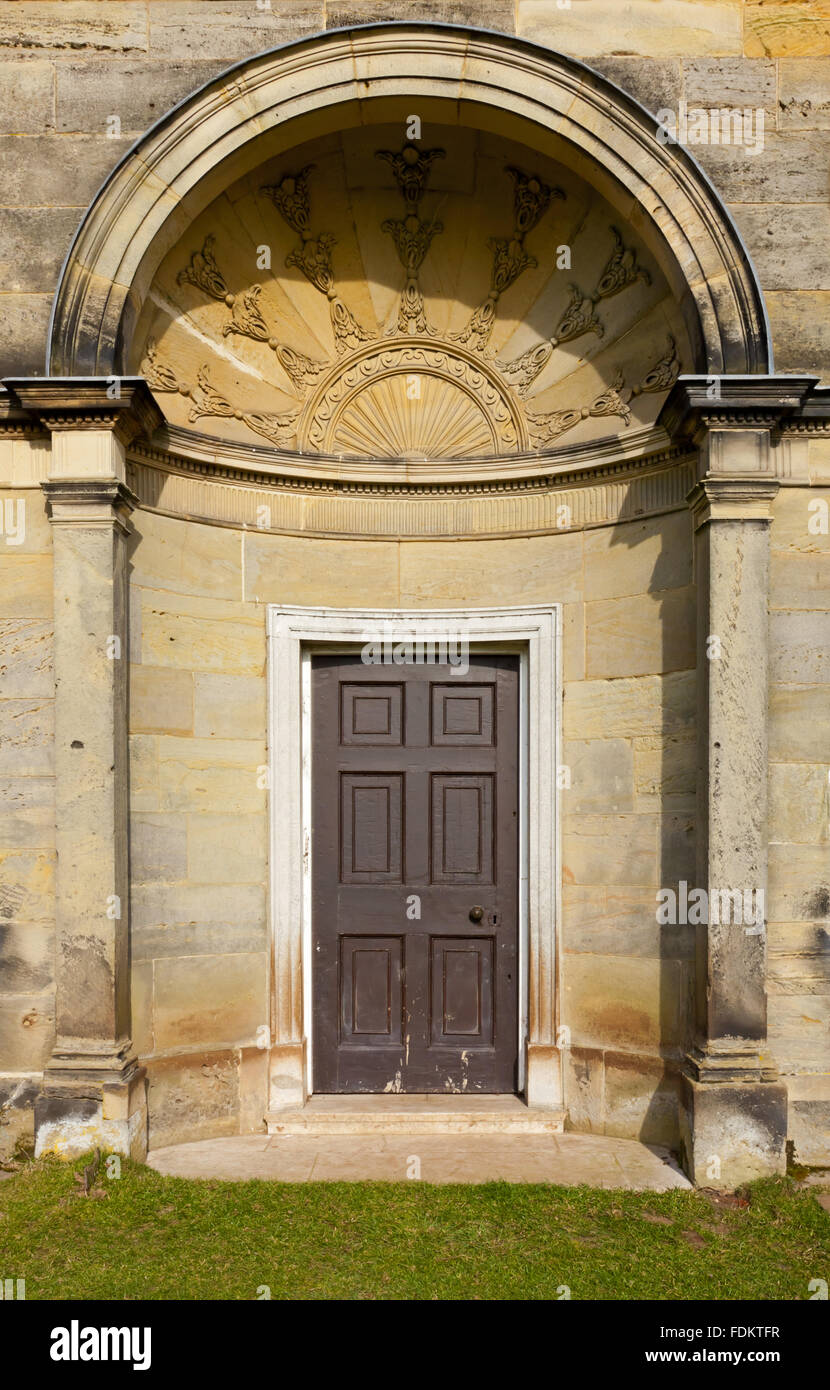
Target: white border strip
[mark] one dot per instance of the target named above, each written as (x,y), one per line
(293,634)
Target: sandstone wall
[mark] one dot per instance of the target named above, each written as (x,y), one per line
(27,800)
(199,818)
(69,66)
(799,854)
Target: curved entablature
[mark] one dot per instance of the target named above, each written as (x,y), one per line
(289,261)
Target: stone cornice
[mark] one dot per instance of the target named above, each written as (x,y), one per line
(697,404)
(187,452)
(124,405)
(354,511)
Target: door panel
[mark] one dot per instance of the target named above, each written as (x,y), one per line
(415,876)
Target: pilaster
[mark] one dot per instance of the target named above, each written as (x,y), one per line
(93,1090)
(734,1124)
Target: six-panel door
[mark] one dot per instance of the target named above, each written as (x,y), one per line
(415,876)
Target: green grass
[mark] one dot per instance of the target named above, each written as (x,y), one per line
(171,1238)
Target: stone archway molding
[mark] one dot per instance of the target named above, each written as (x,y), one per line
(171,172)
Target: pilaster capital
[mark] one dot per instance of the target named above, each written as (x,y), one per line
(732,499)
(89,502)
(124,405)
(697,405)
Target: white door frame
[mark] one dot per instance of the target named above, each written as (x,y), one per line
(293,635)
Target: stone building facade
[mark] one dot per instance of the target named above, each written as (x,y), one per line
(330,326)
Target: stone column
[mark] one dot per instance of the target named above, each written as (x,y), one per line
(734,1118)
(93,1089)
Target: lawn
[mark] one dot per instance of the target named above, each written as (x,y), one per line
(147,1236)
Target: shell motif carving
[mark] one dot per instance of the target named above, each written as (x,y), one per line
(403,390)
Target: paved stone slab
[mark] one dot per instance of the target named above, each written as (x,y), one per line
(563,1159)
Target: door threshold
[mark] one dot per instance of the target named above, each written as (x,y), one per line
(421,1114)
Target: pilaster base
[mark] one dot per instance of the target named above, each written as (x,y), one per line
(74,1116)
(287,1076)
(732,1132)
(543,1090)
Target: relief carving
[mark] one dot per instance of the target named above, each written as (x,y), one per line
(411,234)
(313,256)
(409,394)
(531,198)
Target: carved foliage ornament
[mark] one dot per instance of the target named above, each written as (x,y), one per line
(408,395)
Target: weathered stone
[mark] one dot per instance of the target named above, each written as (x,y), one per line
(544,569)
(677,849)
(610,849)
(27,812)
(804,94)
(27,96)
(228,29)
(609,921)
(801,330)
(799,883)
(786,29)
(798,727)
(585,1088)
(201,774)
(158,848)
(141,1003)
(639,27)
(227,849)
(193,1096)
(138,92)
(794,524)
(601,776)
(34,242)
(799,811)
(27,956)
(798,581)
(27,885)
(27,737)
(342,13)
(732,1134)
(161,700)
(73,24)
(573,642)
(788,169)
(637,1004)
(173,636)
(732,82)
(182,557)
(799,1032)
(26,587)
(664,773)
(253,1089)
(655,85)
(229,706)
(630,708)
(641,1097)
(786,244)
(800,647)
(27,1029)
(219,999)
(26,658)
(638,636)
(66,170)
(194,919)
(279,569)
(25,324)
(639,557)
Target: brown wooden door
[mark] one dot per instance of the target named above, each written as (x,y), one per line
(415,826)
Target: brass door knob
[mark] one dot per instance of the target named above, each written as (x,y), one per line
(476,914)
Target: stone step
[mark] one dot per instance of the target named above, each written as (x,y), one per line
(376,1115)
